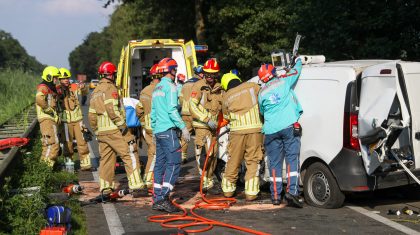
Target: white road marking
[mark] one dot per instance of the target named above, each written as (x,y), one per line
(111,215)
(384,220)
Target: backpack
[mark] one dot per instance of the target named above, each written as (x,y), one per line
(57,215)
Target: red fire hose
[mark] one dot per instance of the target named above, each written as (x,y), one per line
(196,220)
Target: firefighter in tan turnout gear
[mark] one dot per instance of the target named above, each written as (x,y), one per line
(72,120)
(46,109)
(143,110)
(106,117)
(184,101)
(205,106)
(240,108)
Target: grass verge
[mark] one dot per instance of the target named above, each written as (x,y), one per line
(23,214)
(17,91)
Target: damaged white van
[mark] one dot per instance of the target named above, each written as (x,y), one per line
(359,118)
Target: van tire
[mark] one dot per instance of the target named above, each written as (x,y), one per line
(320,187)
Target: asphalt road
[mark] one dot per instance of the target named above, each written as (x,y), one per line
(361,214)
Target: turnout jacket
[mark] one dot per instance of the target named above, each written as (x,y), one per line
(205,103)
(70,103)
(46,103)
(106,112)
(240,108)
(144,107)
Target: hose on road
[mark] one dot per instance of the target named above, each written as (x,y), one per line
(168,220)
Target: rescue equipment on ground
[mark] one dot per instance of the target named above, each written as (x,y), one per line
(58,216)
(72,189)
(13,142)
(69,166)
(113,196)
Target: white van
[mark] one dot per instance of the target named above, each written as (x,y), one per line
(355,113)
(359,117)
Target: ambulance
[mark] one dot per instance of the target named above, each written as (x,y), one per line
(139,55)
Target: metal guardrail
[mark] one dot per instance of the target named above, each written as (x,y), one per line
(21,125)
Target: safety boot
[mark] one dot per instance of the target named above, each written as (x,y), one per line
(165,205)
(294,200)
(141,192)
(250,197)
(228,194)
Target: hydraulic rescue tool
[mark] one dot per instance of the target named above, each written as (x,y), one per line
(72,189)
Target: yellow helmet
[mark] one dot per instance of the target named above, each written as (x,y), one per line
(227,77)
(64,73)
(49,73)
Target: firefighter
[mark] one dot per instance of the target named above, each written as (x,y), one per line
(281,111)
(198,71)
(240,108)
(143,109)
(180,82)
(46,109)
(106,118)
(165,122)
(72,120)
(205,106)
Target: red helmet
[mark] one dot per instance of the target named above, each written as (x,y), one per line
(166,65)
(266,72)
(211,66)
(181,77)
(107,68)
(153,70)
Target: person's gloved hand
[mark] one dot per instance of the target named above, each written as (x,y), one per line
(186,134)
(212,124)
(123,129)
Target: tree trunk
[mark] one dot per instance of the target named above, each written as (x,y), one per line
(199,22)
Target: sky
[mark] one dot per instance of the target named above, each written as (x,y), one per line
(51,29)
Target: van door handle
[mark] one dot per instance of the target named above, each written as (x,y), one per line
(417,135)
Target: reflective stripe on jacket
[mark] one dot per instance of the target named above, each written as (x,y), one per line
(106,113)
(46,104)
(240,108)
(205,103)
(144,107)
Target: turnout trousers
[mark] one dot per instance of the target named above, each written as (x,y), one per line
(50,141)
(73,131)
(110,145)
(246,147)
(151,156)
(167,165)
(184,145)
(203,139)
(280,145)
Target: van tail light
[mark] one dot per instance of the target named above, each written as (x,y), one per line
(351,123)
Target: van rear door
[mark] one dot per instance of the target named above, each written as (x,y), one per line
(190,58)
(381,99)
(121,73)
(410,71)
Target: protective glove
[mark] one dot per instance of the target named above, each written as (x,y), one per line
(186,134)
(212,124)
(123,129)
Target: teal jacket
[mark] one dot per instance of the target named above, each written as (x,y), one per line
(165,115)
(278,102)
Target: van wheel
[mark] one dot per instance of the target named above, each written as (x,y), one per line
(321,188)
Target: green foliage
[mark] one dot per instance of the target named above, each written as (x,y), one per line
(242,34)
(17,91)
(23,214)
(13,55)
